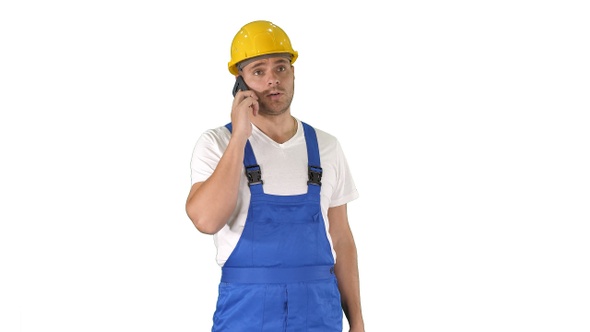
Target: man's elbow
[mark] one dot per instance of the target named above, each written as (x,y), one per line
(203,224)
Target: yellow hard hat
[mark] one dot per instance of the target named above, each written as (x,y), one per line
(259,38)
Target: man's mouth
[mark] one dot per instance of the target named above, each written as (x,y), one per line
(274,95)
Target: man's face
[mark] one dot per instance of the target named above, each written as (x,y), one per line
(272,79)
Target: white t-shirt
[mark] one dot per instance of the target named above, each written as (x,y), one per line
(284,172)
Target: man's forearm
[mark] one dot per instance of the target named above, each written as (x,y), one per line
(211,203)
(347,272)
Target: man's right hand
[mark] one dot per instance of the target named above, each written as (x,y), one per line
(244,107)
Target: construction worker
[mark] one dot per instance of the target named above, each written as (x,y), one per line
(273,191)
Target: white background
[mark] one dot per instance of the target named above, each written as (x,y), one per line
(465,124)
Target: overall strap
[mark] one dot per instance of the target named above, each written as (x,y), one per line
(313,159)
(252,168)
(254,174)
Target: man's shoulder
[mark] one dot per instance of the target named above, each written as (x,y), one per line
(218,136)
(324,137)
(217,133)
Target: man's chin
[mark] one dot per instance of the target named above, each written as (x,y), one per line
(273,111)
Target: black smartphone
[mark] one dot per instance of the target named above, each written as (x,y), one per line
(240,85)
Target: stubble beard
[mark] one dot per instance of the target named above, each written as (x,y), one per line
(276,109)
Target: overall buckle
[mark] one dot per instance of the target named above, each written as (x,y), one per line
(254,175)
(315,175)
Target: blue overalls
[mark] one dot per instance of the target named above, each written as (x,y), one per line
(280,276)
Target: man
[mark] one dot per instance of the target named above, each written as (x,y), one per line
(273,191)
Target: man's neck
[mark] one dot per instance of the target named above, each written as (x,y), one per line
(280,128)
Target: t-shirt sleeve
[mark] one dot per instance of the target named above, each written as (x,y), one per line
(207,153)
(345,190)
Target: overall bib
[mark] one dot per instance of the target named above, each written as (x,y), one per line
(280,276)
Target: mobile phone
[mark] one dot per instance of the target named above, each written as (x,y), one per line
(239,85)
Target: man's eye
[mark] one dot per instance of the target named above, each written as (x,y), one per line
(258,73)
(281,68)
